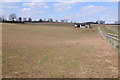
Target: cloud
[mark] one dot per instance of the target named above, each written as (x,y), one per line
(26,9)
(91,9)
(36,5)
(114,0)
(23,1)
(83,0)
(91,13)
(28,12)
(88,13)
(36,0)
(95,0)
(11,0)
(63,6)
(60,0)
(2,11)
(7,5)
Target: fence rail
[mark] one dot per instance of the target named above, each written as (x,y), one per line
(114,39)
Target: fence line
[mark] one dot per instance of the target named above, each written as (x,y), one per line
(102,34)
(112,38)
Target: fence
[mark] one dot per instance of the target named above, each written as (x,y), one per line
(113,39)
(102,33)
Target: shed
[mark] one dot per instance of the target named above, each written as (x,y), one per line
(82,25)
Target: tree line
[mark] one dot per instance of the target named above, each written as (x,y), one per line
(13,18)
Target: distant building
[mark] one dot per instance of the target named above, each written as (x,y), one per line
(82,25)
(101,22)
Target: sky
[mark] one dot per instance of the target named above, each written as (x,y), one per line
(77,11)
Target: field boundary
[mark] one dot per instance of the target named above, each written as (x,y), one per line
(102,34)
(111,38)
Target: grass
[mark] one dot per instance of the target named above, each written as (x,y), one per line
(56,50)
(114,26)
(106,30)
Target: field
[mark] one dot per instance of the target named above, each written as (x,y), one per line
(56,50)
(113,29)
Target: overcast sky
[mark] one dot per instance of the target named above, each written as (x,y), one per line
(73,11)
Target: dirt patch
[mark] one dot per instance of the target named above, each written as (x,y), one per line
(42,51)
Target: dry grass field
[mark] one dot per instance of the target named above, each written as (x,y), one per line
(110,29)
(56,51)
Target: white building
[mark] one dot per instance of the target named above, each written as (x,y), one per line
(82,25)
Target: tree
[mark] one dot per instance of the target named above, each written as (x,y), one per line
(102,22)
(62,21)
(116,22)
(2,18)
(97,22)
(56,21)
(24,19)
(29,19)
(44,20)
(12,17)
(20,19)
(40,20)
(50,20)
(65,20)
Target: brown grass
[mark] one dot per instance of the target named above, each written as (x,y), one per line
(56,50)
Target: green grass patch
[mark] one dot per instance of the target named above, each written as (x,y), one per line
(106,30)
